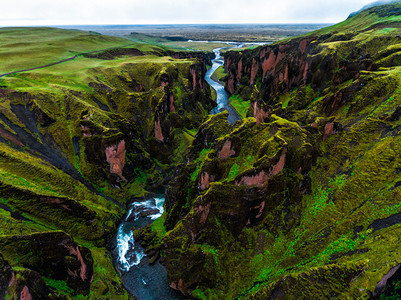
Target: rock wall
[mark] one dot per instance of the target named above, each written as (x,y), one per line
(74,154)
(302,199)
(278,69)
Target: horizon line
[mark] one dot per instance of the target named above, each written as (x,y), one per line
(170,24)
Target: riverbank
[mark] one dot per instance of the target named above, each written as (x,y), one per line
(141,272)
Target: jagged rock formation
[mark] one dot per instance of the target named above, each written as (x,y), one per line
(77,141)
(301,199)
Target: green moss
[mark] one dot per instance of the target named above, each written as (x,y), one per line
(59,120)
(198,294)
(59,285)
(200,160)
(219,74)
(158,226)
(234,171)
(240,105)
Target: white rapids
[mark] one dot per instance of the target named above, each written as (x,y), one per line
(128,254)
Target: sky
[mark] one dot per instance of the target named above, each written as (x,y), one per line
(83,12)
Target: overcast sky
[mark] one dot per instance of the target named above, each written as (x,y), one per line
(79,12)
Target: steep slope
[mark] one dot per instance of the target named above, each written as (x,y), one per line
(370,5)
(77,141)
(302,198)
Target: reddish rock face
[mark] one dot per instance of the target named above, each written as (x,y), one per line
(194,81)
(286,74)
(203,212)
(261,208)
(115,156)
(205,181)
(172,107)
(179,286)
(230,85)
(239,72)
(254,70)
(259,179)
(25,294)
(262,177)
(158,131)
(163,84)
(328,130)
(269,64)
(75,251)
(226,151)
(12,279)
(85,130)
(259,114)
(305,73)
(277,168)
(303,44)
(285,63)
(263,52)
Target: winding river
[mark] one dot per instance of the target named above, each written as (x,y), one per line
(222,95)
(141,279)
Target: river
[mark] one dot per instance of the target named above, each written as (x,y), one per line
(142,280)
(222,95)
(222,98)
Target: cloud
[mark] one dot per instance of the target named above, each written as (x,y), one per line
(56,12)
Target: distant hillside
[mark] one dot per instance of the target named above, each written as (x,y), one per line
(373,4)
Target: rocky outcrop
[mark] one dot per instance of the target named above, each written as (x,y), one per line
(72,155)
(221,209)
(259,113)
(279,67)
(115,156)
(226,151)
(288,65)
(30,285)
(158,131)
(6,276)
(302,199)
(54,255)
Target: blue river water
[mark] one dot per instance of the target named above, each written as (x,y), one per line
(222,96)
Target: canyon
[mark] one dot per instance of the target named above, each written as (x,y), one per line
(300,198)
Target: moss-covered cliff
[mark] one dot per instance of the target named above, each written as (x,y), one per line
(77,141)
(301,200)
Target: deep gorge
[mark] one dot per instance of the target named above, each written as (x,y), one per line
(298,199)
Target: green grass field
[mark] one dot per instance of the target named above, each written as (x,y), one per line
(179,45)
(24,48)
